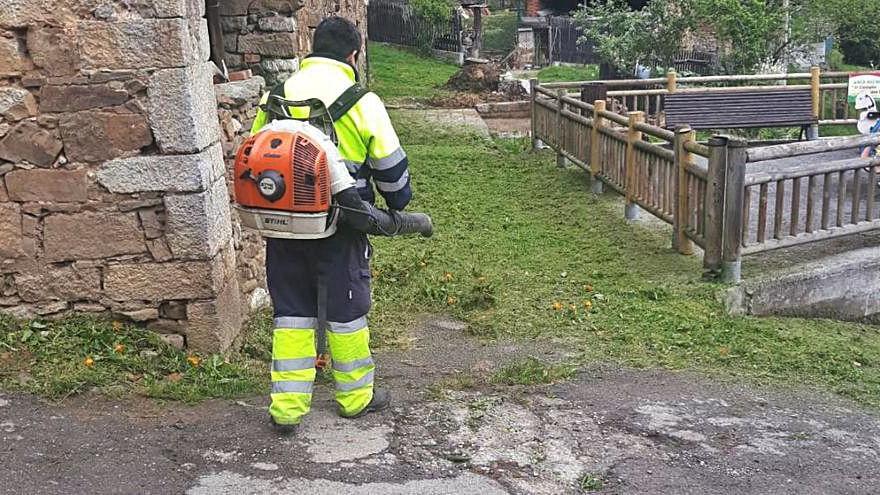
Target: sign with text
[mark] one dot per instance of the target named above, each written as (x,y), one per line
(864,82)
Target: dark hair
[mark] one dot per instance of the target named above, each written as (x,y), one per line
(336,37)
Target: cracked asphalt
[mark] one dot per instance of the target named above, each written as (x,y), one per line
(609,430)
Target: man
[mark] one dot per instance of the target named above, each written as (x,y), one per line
(333,274)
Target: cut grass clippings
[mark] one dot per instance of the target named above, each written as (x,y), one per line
(523,250)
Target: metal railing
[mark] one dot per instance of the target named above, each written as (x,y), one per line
(721,195)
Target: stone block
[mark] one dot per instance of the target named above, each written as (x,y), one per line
(4,196)
(280,65)
(284,7)
(61,186)
(159,249)
(234,24)
(59,283)
(213,326)
(91,235)
(240,93)
(141,315)
(159,281)
(144,43)
(235,7)
(161,173)
(272,44)
(182,109)
(10,232)
(12,56)
(16,104)
(54,49)
(28,142)
(174,340)
(174,310)
(198,225)
(94,135)
(73,98)
(277,23)
(152,222)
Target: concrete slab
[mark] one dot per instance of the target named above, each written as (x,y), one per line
(230,483)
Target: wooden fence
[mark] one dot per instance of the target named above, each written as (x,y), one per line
(720,195)
(829,91)
(397,23)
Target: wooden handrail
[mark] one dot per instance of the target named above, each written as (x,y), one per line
(811,147)
(757,174)
(697,148)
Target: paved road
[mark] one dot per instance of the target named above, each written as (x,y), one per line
(635,431)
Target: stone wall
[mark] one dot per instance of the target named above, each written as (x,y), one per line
(112,190)
(270,37)
(237,108)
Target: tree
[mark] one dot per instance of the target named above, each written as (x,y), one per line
(624,37)
(751,34)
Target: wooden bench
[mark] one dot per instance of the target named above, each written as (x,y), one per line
(740,109)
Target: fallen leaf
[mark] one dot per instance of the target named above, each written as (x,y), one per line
(88,362)
(119,348)
(174,377)
(194,360)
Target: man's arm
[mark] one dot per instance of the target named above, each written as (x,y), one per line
(387,160)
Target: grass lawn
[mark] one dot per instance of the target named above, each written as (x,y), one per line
(564,73)
(523,250)
(399,74)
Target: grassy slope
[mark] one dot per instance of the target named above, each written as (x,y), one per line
(516,235)
(399,74)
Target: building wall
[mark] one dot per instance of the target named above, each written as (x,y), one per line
(113,184)
(270,37)
(112,191)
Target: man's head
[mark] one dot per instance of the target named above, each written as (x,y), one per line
(338,38)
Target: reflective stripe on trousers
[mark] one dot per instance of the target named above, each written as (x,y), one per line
(293,369)
(353,365)
(293,366)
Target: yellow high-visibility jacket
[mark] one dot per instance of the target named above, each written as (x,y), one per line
(366,136)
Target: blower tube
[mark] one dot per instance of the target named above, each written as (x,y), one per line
(363,216)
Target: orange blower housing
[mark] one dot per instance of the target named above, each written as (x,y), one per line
(282,170)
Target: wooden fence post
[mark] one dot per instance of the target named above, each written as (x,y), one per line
(596,146)
(732,225)
(680,241)
(533,89)
(714,206)
(560,128)
(671,81)
(816,94)
(632,136)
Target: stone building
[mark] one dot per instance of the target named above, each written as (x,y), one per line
(113,189)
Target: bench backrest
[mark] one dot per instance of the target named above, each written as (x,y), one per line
(740,109)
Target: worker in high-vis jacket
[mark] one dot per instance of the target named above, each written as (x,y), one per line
(298,270)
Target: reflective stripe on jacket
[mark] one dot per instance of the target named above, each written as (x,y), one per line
(366,135)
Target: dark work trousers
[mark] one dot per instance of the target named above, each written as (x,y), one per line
(343,259)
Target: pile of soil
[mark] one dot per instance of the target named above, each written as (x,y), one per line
(479,82)
(476,78)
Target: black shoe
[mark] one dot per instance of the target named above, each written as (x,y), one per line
(381,399)
(282,429)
